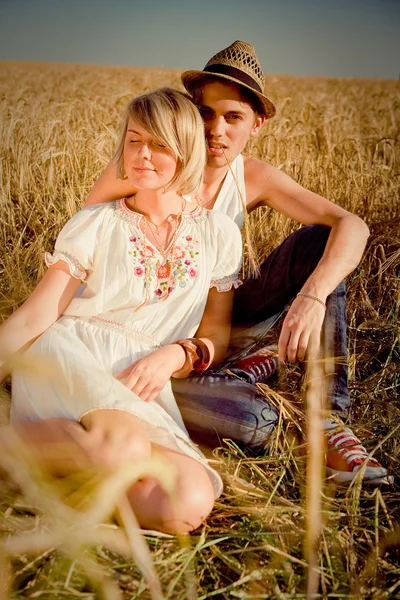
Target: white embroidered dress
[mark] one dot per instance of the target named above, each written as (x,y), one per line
(132,301)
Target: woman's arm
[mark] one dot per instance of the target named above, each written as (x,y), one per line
(43,307)
(109,187)
(215,326)
(147,376)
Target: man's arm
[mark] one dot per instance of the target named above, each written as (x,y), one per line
(266,185)
(109,187)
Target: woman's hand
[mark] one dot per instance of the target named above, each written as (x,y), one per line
(147,376)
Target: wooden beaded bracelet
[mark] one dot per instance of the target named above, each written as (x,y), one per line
(307,295)
(197,360)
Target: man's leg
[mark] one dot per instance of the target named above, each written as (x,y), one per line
(216,406)
(282,275)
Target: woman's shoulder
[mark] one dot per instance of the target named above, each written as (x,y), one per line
(101,209)
(95,213)
(88,221)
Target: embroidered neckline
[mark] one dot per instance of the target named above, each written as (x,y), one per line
(171,270)
(136,217)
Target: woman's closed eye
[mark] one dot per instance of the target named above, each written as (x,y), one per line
(159,144)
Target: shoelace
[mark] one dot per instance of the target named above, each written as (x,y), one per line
(261,370)
(349,447)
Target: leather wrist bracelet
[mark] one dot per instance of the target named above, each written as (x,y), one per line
(197,357)
(307,295)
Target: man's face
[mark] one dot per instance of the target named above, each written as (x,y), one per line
(229,122)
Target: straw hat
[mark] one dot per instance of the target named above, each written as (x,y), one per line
(238,63)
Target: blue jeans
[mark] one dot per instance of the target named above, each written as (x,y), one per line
(215,405)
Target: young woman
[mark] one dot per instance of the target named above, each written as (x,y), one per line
(128,287)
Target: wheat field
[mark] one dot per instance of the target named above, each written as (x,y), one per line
(338,137)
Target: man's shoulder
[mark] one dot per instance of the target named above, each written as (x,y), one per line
(258,176)
(256,165)
(259,170)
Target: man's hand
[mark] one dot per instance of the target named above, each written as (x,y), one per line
(301,327)
(147,376)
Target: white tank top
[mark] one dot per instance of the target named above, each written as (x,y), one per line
(232,195)
(228,200)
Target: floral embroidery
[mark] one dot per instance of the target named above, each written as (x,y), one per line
(148,252)
(164,274)
(139,271)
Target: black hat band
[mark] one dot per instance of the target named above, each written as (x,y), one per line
(236,74)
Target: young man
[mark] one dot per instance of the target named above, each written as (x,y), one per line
(306,271)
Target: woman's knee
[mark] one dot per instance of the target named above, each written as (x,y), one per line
(183,512)
(193,505)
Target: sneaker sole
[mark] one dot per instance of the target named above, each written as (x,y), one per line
(346,478)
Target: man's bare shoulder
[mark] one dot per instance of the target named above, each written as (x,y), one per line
(268,186)
(254,166)
(260,179)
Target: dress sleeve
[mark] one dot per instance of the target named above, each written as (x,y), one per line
(228,255)
(77,241)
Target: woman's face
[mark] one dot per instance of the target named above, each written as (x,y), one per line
(148,163)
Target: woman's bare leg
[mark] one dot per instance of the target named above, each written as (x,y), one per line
(114,437)
(119,436)
(56,445)
(106,438)
(194,498)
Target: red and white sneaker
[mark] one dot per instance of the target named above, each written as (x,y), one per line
(345,455)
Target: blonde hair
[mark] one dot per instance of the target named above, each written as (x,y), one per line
(173,120)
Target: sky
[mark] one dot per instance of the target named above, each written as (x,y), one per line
(337,38)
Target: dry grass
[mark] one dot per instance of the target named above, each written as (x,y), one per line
(337,137)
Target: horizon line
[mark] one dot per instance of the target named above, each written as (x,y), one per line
(182,69)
